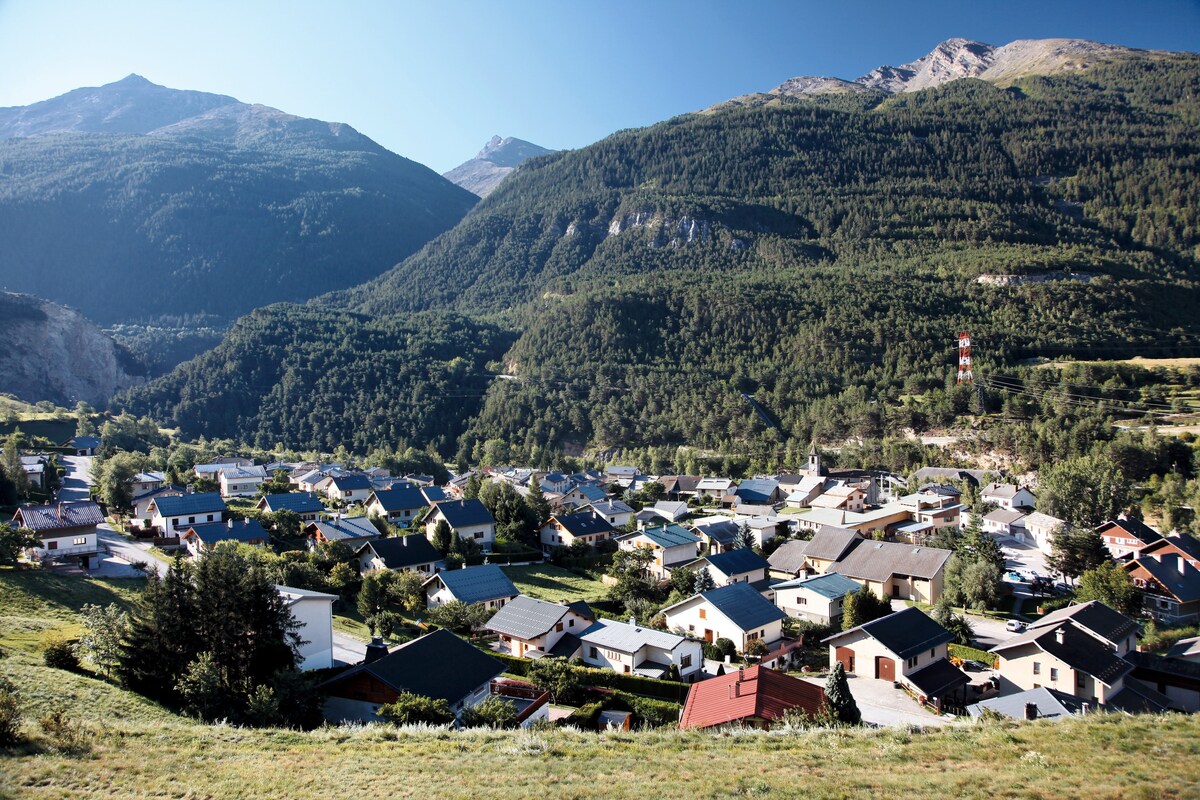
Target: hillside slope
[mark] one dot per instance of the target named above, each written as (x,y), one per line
(819,256)
(56,354)
(133,202)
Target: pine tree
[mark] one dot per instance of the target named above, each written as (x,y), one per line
(539,507)
(743,539)
(441,536)
(839,699)
(703,581)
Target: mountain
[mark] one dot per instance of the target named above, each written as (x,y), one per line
(483,173)
(55,354)
(759,275)
(132,201)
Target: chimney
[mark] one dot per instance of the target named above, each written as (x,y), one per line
(632,620)
(1084,709)
(1059,633)
(375,650)
(1180,558)
(741,674)
(230,523)
(1031,711)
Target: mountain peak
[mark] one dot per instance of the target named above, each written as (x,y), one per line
(948,61)
(132,79)
(498,157)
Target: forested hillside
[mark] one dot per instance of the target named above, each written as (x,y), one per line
(132,202)
(818,255)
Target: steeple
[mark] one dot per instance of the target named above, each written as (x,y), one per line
(814,461)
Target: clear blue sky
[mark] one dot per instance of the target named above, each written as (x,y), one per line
(434,80)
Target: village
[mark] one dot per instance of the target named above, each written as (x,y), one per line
(688,600)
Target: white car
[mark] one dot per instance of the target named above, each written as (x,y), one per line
(1014,625)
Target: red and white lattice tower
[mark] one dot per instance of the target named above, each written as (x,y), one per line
(964,358)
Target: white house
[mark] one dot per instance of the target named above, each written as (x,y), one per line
(469,519)
(203,537)
(306,505)
(399,553)
(174,514)
(349,488)
(239,481)
(1041,528)
(399,505)
(817,599)
(671,546)
(145,482)
(529,627)
(563,530)
(714,488)
(1005,522)
(638,650)
(485,584)
(1007,496)
(314,613)
(65,529)
(741,565)
(615,512)
(736,612)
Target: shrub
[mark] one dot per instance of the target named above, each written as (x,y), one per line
(757,648)
(67,735)
(410,708)
(494,712)
(716,651)
(10,713)
(60,654)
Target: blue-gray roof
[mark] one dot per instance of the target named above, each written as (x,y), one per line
(346,528)
(477,584)
(757,490)
(399,552)
(668,535)
(434,494)
(744,606)
(526,618)
(401,498)
(735,562)
(592,493)
(183,504)
(465,513)
(1049,703)
(300,502)
(246,530)
(348,483)
(584,523)
(830,585)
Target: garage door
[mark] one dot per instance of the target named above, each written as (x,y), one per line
(846,656)
(885,668)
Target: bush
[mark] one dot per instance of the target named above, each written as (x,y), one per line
(514,664)
(10,713)
(60,654)
(67,735)
(494,712)
(716,651)
(410,708)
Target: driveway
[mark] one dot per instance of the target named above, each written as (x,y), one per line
(77,480)
(883,704)
(347,649)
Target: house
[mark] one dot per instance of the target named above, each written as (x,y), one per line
(751,697)
(843,497)
(140,515)
(788,560)
(462,677)
(1124,536)
(733,566)
(763,529)
(737,612)
(670,510)
(468,519)
(672,546)
(563,530)
(717,532)
(616,512)
(1175,676)
(679,488)
(1008,496)
(349,488)
(627,477)
(174,514)
(34,467)
(759,491)
(880,520)
(203,537)
(828,546)
(531,628)
(1005,522)
(817,599)
(398,505)
(582,495)
(351,530)
(144,483)
(555,482)
(1039,528)
(638,650)
(894,570)
(714,488)
(83,445)
(310,480)
(485,584)
(313,612)
(803,492)
(65,529)
(238,481)
(907,647)
(936,510)
(433,494)
(306,505)
(1040,703)
(1170,583)
(1177,545)
(1078,650)
(399,553)
(1186,649)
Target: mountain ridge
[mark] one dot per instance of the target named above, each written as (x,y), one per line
(499,157)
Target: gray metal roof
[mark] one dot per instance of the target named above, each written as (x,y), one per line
(59,516)
(905,633)
(181,504)
(829,585)
(830,543)
(789,557)
(741,603)
(628,638)
(877,561)
(1050,704)
(1094,616)
(477,584)
(526,618)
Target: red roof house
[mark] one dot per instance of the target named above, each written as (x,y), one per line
(752,696)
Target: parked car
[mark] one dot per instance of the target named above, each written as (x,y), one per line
(1014,625)
(1013,575)
(976,666)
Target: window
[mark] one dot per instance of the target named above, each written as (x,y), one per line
(191,520)
(81,540)
(627,669)
(1053,674)
(1037,668)
(558,628)
(479,535)
(932,652)
(801,601)
(595,653)
(686,661)
(1080,681)
(691,628)
(52,545)
(703,613)
(750,637)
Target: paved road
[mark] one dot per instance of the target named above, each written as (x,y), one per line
(77,480)
(347,649)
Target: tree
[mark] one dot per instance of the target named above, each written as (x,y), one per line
(539,506)
(562,679)
(409,708)
(474,484)
(960,628)
(14,542)
(113,475)
(442,537)
(862,606)
(84,426)
(652,492)
(743,539)
(1085,490)
(631,569)
(839,699)
(1074,551)
(703,581)
(459,617)
(1110,584)
(494,712)
(104,631)
(12,464)
(756,648)
(204,688)
(976,584)
(373,594)
(345,580)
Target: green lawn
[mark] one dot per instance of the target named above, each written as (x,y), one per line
(548,582)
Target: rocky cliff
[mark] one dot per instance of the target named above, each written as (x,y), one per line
(55,353)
